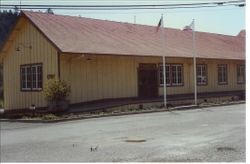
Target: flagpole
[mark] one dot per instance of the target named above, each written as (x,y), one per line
(164,79)
(194,60)
(164,63)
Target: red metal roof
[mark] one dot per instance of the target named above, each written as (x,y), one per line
(91,36)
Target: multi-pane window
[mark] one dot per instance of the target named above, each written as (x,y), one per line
(240,73)
(25,77)
(31,77)
(201,74)
(167,75)
(174,74)
(222,74)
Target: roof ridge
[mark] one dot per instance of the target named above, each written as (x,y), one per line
(83,35)
(124,23)
(106,20)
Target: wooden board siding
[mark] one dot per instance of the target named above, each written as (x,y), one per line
(41,52)
(212,68)
(94,77)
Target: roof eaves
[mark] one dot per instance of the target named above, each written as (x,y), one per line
(137,55)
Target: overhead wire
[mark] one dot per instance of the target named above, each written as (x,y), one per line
(130,6)
(126,7)
(137,7)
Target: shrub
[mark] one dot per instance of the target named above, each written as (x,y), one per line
(49,117)
(56,90)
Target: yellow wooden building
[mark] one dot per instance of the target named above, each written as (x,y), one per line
(109,60)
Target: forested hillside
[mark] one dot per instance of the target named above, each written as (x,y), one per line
(7,21)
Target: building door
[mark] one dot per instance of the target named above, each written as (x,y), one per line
(147,79)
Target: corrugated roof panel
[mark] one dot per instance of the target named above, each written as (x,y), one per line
(85,35)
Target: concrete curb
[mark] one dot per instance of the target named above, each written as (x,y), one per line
(190,107)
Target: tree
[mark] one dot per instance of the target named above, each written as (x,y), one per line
(7,21)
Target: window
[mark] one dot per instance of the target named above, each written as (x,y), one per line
(31,77)
(222,74)
(25,78)
(240,74)
(174,74)
(201,71)
(167,75)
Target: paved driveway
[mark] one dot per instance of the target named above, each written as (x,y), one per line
(209,134)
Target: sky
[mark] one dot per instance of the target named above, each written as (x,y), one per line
(228,20)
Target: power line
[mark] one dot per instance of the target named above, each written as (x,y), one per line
(118,1)
(145,8)
(184,10)
(115,8)
(132,6)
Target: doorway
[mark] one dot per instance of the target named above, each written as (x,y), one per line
(147,81)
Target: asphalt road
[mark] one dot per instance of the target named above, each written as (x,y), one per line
(213,134)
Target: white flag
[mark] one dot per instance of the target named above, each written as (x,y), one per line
(189,27)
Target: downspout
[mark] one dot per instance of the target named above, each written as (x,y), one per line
(58,65)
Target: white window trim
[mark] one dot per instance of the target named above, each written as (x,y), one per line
(161,74)
(170,73)
(25,67)
(36,73)
(202,74)
(31,88)
(176,74)
(224,72)
(244,76)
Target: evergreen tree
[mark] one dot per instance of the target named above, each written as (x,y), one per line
(7,22)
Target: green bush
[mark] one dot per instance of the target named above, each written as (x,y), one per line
(56,90)
(49,117)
